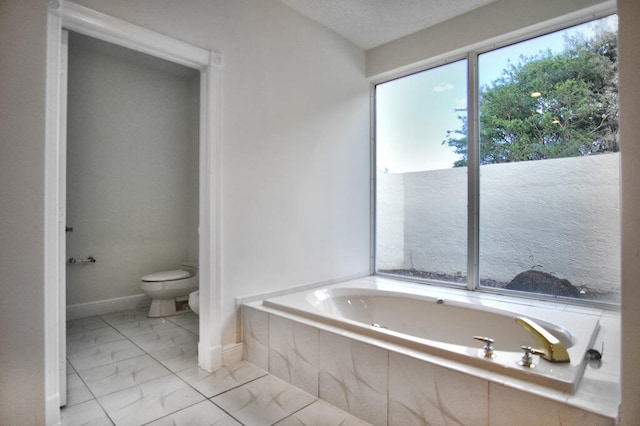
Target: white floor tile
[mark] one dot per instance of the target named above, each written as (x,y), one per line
(88,339)
(184,319)
(123,317)
(263,401)
(162,339)
(85,324)
(99,355)
(77,391)
(211,384)
(144,326)
(145,370)
(178,358)
(320,414)
(149,401)
(194,328)
(123,374)
(88,413)
(204,413)
(70,369)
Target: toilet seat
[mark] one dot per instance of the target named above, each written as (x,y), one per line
(178,274)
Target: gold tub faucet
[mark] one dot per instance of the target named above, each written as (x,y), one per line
(554,351)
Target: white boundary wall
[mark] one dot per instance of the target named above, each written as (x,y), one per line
(560,216)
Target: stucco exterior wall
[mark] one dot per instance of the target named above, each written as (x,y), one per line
(561,216)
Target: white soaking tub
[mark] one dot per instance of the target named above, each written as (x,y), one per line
(444,323)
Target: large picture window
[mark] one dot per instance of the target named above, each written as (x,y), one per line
(541,169)
(420,197)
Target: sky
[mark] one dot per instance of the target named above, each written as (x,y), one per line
(413,113)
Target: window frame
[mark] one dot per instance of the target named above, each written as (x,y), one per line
(471,55)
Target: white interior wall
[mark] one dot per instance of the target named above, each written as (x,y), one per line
(132,168)
(22,152)
(295,190)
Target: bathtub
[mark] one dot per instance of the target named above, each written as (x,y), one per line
(443,322)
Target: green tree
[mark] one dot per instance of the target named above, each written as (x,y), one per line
(549,105)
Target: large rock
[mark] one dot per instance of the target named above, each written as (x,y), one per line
(541,282)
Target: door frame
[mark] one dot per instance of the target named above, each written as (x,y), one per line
(68,16)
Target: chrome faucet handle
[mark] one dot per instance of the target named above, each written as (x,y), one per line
(527,358)
(487,349)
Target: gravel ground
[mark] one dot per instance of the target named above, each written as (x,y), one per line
(589,294)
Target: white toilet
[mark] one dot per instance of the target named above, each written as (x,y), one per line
(168,289)
(194,302)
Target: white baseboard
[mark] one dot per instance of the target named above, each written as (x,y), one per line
(82,310)
(212,359)
(232,354)
(209,358)
(52,404)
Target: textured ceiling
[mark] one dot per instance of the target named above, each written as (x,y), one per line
(371,23)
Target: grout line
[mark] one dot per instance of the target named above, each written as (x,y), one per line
(225,411)
(297,411)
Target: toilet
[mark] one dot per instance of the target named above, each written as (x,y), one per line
(194,302)
(169,290)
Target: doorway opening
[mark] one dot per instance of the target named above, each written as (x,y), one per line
(71,17)
(132,169)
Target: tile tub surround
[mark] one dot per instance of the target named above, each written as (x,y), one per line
(387,384)
(407,314)
(126,369)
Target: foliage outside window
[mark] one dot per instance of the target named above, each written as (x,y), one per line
(547,171)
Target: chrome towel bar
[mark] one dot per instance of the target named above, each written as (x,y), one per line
(89,259)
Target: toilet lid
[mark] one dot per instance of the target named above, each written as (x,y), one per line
(177,274)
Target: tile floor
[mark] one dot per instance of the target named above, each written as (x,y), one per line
(126,369)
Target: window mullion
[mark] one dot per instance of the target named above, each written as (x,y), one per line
(473,174)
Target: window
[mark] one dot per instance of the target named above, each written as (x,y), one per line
(421,200)
(542,169)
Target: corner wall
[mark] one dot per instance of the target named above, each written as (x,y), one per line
(23,26)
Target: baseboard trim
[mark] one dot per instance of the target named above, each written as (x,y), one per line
(232,354)
(209,358)
(82,310)
(52,403)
